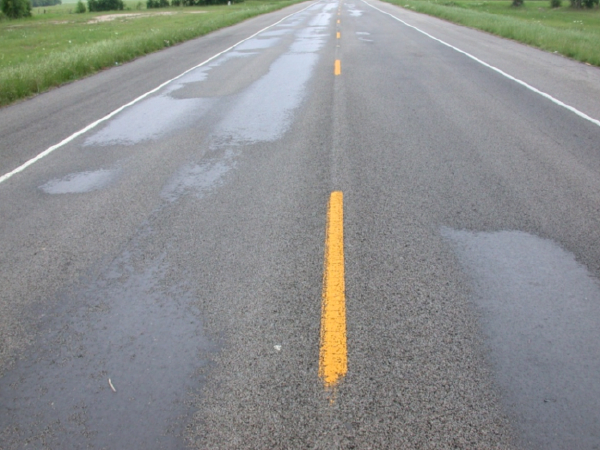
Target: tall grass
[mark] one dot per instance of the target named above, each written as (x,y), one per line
(57,67)
(582,45)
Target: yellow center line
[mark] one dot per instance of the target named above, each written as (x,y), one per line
(338,67)
(338,21)
(333,359)
(338,34)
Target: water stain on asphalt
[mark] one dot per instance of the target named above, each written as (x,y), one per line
(353,11)
(81,182)
(264,111)
(149,120)
(258,43)
(134,326)
(310,40)
(276,32)
(197,178)
(540,310)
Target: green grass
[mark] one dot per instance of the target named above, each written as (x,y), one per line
(56,46)
(569,32)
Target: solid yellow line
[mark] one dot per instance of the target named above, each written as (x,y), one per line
(333,359)
(338,21)
(338,67)
(338,34)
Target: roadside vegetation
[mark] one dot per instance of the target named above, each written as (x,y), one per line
(56,45)
(567,30)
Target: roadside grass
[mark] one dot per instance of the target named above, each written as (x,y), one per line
(56,46)
(567,31)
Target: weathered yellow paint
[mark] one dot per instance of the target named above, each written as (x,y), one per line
(333,359)
(338,21)
(338,67)
(339,34)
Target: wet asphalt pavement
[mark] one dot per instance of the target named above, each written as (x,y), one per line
(161,273)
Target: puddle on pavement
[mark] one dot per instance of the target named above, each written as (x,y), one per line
(291,23)
(353,11)
(231,55)
(197,179)
(150,119)
(276,94)
(132,326)
(258,43)
(324,17)
(361,35)
(275,33)
(81,182)
(264,111)
(540,310)
(310,40)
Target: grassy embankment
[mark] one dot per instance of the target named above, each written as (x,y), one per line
(569,32)
(56,46)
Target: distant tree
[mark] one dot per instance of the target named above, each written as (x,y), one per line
(584,3)
(105,5)
(16,9)
(517,3)
(202,2)
(80,8)
(36,3)
(555,3)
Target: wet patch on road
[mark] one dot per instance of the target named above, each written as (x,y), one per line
(258,43)
(150,119)
(540,310)
(354,12)
(81,182)
(135,326)
(198,178)
(264,111)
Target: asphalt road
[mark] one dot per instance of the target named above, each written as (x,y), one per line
(162,272)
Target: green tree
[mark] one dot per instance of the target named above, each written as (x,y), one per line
(584,3)
(37,3)
(105,5)
(16,8)
(80,8)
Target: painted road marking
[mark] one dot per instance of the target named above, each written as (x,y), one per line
(65,141)
(338,21)
(495,69)
(338,35)
(338,67)
(333,359)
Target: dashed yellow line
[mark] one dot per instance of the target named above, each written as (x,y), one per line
(338,35)
(337,70)
(333,359)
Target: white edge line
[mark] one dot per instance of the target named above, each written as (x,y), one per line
(133,102)
(501,72)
